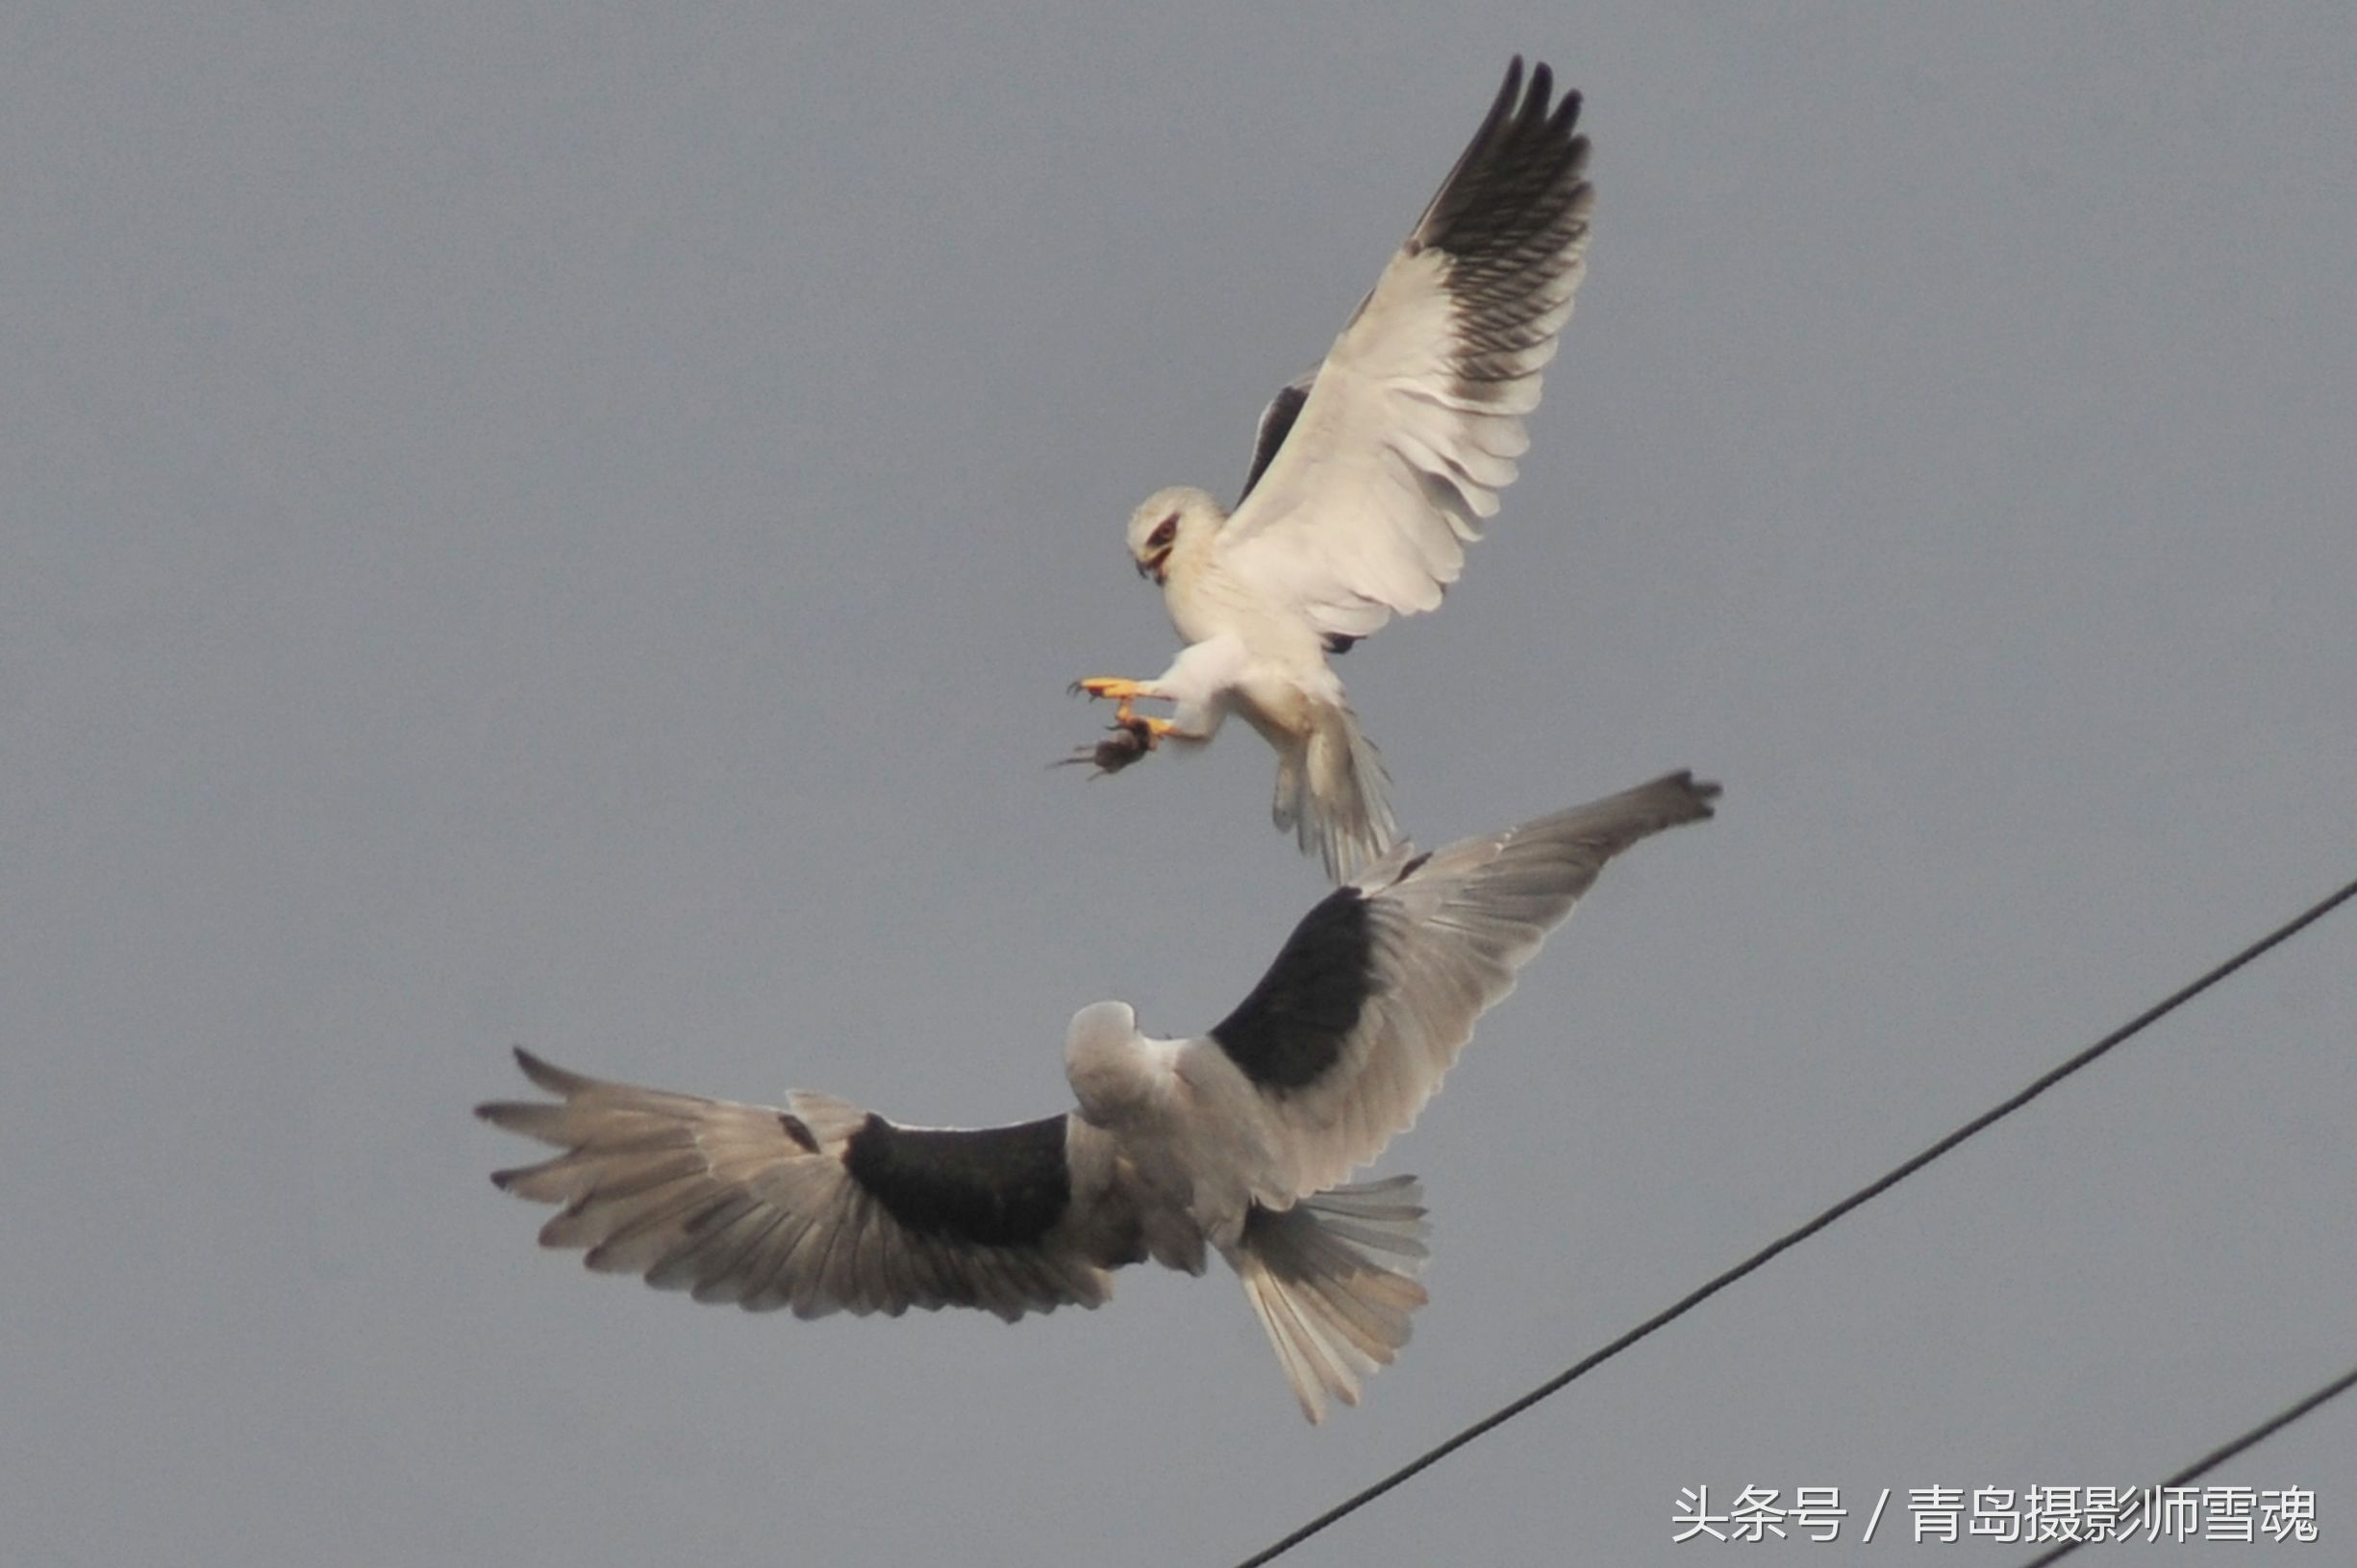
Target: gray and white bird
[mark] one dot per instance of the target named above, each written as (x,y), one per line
(1238,1141)
(1369,478)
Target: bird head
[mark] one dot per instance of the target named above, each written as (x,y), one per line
(1108,1063)
(1170,523)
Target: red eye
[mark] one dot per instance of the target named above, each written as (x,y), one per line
(1164,532)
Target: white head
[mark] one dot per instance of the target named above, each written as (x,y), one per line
(1112,1072)
(1174,522)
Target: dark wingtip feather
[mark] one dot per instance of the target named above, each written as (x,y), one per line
(1509,100)
(548,1076)
(1692,796)
(531,1117)
(1704,790)
(1567,114)
(1519,181)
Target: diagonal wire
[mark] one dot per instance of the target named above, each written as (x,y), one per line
(1875,1189)
(2211,1460)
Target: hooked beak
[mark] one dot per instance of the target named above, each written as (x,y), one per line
(1156,565)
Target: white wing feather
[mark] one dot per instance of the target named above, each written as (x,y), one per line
(1449,936)
(1413,422)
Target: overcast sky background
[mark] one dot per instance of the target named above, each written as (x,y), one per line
(571,525)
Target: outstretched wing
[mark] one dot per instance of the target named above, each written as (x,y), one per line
(819,1206)
(1376,991)
(1384,472)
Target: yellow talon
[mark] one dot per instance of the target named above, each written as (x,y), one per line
(1124,693)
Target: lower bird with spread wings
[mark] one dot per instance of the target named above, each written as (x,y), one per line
(1237,1141)
(1369,479)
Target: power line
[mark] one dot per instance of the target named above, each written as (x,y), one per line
(2212,1459)
(1875,1189)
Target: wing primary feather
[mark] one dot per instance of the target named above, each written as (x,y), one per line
(819,1207)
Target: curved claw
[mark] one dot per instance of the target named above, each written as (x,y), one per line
(1124,693)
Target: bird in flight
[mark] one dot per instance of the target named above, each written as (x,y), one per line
(1369,478)
(1238,1141)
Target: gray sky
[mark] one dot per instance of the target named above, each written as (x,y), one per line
(571,525)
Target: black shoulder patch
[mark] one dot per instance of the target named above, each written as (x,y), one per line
(1276,423)
(996,1187)
(1291,1028)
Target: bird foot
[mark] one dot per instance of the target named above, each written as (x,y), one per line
(1113,685)
(1125,692)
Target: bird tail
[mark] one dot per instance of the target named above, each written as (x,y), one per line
(1333,792)
(1333,1278)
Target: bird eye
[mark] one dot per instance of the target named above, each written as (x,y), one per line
(1164,532)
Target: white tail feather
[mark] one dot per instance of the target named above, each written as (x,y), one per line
(1332,1281)
(1333,792)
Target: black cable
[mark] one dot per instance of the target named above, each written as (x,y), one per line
(1557,1383)
(2212,1459)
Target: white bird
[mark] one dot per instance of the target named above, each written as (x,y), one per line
(1235,1141)
(1369,478)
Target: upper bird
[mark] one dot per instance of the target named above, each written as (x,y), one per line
(1368,477)
(1233,1142)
